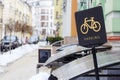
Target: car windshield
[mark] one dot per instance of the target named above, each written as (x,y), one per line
(33,38)
(12,38)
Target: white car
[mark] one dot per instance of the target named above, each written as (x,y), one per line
(34,39)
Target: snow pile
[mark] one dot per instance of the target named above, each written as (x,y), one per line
(9,57)
(17,53)
(44,73)
(1,70)
(43,43)
(41,76)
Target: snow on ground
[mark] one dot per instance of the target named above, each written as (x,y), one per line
(41,76)
(44,73)
(9,57)
(1,70)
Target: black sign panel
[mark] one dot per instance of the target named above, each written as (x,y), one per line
(43,55)
(90,27)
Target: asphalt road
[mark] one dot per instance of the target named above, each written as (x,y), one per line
(22,69)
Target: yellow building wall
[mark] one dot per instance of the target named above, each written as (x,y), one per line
(1,17)
(17,11)
(1,11)
(58,8)
(73,23)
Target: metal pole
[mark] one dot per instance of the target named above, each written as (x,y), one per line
(94,51)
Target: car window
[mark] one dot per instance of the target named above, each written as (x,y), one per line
(33,38)
(12,38)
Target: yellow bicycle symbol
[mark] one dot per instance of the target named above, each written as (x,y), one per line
(90,24)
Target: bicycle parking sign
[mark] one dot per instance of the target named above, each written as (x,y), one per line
(94,25)
(90,27)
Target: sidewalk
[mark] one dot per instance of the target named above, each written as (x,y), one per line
(22,69)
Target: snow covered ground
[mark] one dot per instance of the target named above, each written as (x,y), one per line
(9,57)
(41,76)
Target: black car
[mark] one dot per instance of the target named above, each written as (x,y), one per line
(9,42)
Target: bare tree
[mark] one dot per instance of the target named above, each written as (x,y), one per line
(30,29)
(9,28)
(27,29)
(23,28)
(17,27)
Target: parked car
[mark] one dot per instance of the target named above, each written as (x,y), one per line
(9,42)
(20,42)
(34,39)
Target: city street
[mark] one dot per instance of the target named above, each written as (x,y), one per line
(59,40)
(21,69)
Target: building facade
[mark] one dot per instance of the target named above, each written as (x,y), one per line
(69,26)
(42,15)
(112,17)
(1,19)
(15,11)
(111,9)
(58,5)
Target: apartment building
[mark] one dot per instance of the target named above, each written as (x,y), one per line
(112,17)
(42,15)
(69,26)
(58,15)
(111,9)
(1,18)
(16,11)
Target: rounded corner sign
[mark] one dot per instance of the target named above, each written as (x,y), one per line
(91,27)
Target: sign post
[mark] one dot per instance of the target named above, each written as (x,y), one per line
(91,31)
(95,63)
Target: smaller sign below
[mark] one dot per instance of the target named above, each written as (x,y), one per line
(91,27)
(43,55)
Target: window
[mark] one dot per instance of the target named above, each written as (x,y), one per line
(54,32)
(47,11)
(56,2)
(91,1)
(44,17)
(37,4)
(44,11)
(56,14)
(51,24)
(51,17)
(64,5)
(1,20)
(44,24)
(43,31)
(51,11)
